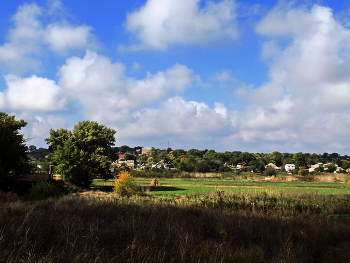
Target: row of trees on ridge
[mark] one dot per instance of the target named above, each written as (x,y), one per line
(87,151)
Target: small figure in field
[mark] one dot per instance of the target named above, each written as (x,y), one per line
(154,182)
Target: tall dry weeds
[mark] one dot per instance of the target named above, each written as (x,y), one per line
(75,229)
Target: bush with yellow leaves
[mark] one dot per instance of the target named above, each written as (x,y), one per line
(124,184)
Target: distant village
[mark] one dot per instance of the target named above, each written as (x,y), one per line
(194,160)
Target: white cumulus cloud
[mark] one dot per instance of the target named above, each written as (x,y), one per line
(176,116)
(29,36)
(107,94)
(314,66)
(32,94)
(22,38)
(64,37)
(308,94)
(160,23)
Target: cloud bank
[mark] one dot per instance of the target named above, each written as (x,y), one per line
(304,104)
(160,23)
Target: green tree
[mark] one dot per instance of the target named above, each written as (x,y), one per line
(246,157)
(202,166)
(333,157)
(331,168)
(313,159)
(195,153)
(13,157)
(211,155)
(70,164)
(57,138)
(82,153)
(225,157)
(124,149)
(178,153)
(299,159)
(345,164)
(258,165)
(32,149)
(235,158)
(156,155)
(275,158)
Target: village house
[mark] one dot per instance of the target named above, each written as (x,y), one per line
(146,151)
(313,167)
(289,167)
(241,165)
(124,163)
(272,165)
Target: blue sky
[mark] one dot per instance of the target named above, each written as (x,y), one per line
(256,76)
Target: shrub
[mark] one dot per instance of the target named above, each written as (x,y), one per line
(294,171)
(124,184)
(44,189)
(319,169)
(185,175)
(270,171)
(303,172)
(331,168)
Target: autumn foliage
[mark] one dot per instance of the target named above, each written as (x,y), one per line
(124,184)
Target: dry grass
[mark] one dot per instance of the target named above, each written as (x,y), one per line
(332,177)
(97,194)
(85,229)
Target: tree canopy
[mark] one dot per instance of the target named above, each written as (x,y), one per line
(13,157)
(82,153)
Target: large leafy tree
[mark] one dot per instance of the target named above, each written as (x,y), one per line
(195,153)
(299,159)
(13,157)
(275,157)
(82,153)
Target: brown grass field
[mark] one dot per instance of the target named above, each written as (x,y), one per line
(76,229)
(94,226)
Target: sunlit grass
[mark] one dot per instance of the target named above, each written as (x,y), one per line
(190,187)
(192,190)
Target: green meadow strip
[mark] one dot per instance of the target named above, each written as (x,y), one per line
(179,190)
(235,183)
(193,187)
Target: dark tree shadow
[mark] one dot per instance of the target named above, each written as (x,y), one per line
(109,188)
(165,188)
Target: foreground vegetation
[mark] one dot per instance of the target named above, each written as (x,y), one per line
(76,229)
(221,226)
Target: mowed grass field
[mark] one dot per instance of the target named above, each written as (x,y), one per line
(173,187)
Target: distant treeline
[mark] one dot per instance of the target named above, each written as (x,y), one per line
(195,160)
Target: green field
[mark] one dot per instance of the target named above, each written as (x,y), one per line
(205,186)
